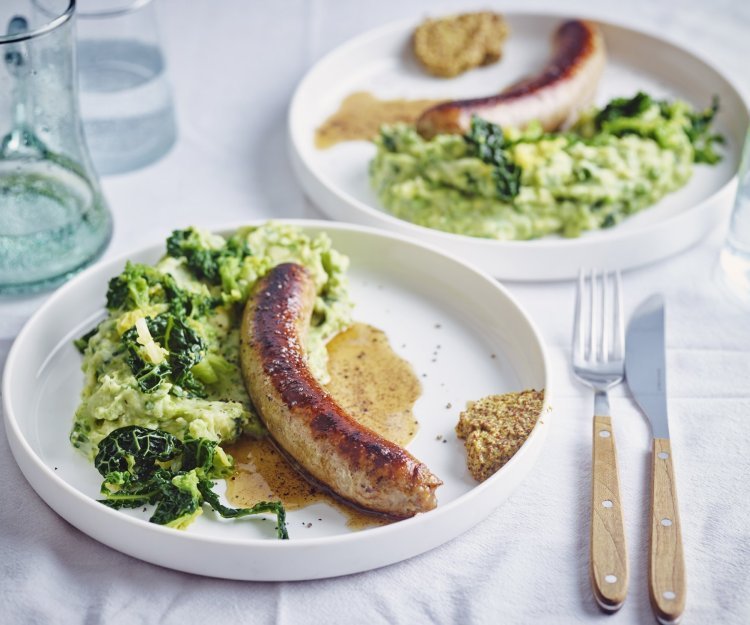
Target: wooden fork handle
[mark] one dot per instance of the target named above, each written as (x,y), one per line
(666,573)
(609,558)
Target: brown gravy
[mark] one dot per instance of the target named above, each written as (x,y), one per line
(374,384)
(361,114)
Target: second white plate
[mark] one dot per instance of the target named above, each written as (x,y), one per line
(381,62)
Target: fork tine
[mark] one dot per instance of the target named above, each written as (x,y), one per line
(598,327)
(594,317)
(606,316)
(578,317)
(618,331)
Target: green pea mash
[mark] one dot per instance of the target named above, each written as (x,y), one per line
(613,163)
(167,355)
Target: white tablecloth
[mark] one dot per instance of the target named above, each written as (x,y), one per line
(233,66)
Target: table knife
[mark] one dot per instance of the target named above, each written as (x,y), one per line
(645,370)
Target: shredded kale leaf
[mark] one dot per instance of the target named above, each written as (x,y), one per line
(135,450)
(700,134)
(275,507)
(148,375)
(132,288)
(487,142)
(623,107)
(83,342)
(201,453)
(139,286)
(185,349)
(204,262)
(143,466)
(626,116)
(389,142)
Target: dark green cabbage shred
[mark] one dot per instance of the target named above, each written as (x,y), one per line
(205,263)
(487,142)
(143,466)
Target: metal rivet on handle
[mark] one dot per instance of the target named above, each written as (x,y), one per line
(666,522)
(610,579)
(607,503)
(604,433)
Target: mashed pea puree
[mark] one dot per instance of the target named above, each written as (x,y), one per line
(509,184)
(166,356)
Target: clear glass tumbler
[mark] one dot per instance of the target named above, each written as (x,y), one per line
(734,259)
(126,103)
(53,218)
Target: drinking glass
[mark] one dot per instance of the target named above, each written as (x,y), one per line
(53,218)
(126,104)
(734,259)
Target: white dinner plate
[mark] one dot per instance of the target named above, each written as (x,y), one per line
(464,334)
(381,62)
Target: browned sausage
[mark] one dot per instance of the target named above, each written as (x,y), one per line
(305,421)
(553,97)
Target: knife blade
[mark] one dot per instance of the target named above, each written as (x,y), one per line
(645,363)
(645,370)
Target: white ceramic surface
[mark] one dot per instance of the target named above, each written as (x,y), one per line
(380,62)
(462,331)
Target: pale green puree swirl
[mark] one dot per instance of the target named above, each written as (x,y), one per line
(613,163)
(208,398)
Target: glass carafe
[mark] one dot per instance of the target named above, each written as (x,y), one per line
(53,218)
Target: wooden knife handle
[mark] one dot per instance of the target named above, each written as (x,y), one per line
(609,558)
(666,571)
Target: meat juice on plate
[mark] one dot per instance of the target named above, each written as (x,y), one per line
(371,382)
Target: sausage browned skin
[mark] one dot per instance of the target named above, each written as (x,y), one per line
(553,97)
(356,463)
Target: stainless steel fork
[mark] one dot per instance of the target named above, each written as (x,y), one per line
(599,361)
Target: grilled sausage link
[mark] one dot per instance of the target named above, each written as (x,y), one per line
(308,425)
(553,97)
